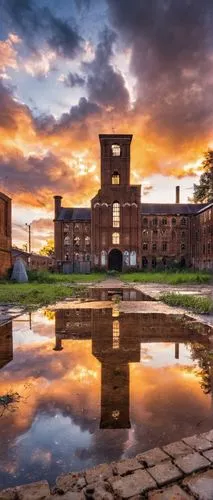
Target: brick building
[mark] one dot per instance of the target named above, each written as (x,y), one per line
(5,234)
(33,260)
(119,232)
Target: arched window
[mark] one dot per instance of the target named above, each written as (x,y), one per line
(115,238)
(164,221)
(173,221)
(115,334)
(116,214)
(77,240)
(116,150)
(115,178)
(183,221)
(67,240)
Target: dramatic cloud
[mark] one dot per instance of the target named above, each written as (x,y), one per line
(105,85)
(73,80)
(35,23)
(171,44)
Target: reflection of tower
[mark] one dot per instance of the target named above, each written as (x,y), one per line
(6,344)
(176,351)
(58,344)
(115,349)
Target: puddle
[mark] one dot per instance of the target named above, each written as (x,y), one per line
(126,294)
(97,385)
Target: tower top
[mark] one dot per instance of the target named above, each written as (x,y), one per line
(114,137)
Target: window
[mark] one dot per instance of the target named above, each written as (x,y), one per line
(145,221)
(116,214)
(116,150)
(155,232)
(145,246)
(115,238)
(77,240)
(182,246)
(183,221)
(164,221)
(183,234)
(87,240)
(154,247)
(173,221)
(164,246)
(115,334)
(115,178)
(155,221)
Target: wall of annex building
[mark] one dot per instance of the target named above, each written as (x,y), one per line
(72,243)
(202,240)
(165,240)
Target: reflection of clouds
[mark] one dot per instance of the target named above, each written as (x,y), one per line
(56,424)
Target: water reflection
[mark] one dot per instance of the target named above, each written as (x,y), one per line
(116,342)
(97,386)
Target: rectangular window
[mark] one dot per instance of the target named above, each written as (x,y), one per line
(164,246)
(115,334)
(145,246)
(115,238)
(116,215)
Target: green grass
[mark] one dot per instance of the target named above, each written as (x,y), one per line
(34,295)
(46,277)
(203,305)
(172,278)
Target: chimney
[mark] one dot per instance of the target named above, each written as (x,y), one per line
(57,205)
(177,194)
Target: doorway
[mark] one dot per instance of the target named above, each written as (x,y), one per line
(115,260)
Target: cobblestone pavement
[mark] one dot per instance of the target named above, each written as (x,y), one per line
(9,312)
(179,471)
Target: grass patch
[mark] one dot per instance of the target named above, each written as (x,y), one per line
(201,305)
(171,278)
(34,295)
(54,278)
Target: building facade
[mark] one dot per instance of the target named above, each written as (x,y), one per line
(5,234)
(119,232)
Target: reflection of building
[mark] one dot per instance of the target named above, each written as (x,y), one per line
(119,232)
(6,344)
(116,342)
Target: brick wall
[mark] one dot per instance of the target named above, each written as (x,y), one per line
(5,234)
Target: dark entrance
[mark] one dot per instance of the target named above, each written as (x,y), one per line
(115,260)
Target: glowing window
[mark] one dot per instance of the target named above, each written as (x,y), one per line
(115,334)
(115,238)
(116,214)
(115,178)
(115,414)
(116,150)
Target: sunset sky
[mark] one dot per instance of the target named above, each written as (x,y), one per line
(72,69)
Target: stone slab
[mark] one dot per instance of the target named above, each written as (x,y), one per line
(74,481)
(177,449)
(198,443)
(33,491)
(97,491)
(99,473)
(209,455)
(201,485)
(165,472)
(127,466)
(192,462)
(70,495)
(152,457)
(171,493)
(208,435)
(8,494)
(133,484)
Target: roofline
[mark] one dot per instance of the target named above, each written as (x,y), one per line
(5,197)
(115,136)
(205,208)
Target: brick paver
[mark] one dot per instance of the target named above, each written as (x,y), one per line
(192,463)
(165,472)
(201,485)
(198,443)
(134,484)
(177,449)
(171,493)
(152,457)
(126,466)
